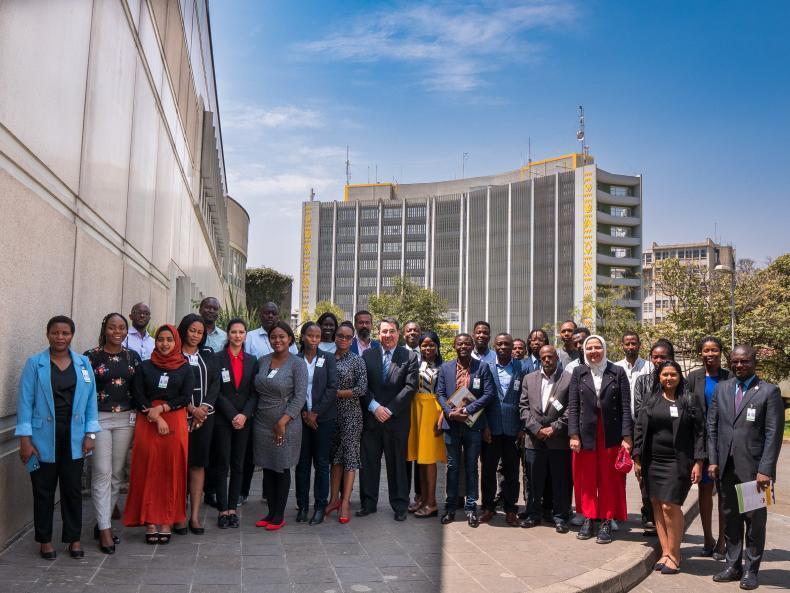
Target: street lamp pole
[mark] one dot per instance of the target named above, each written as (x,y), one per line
(720,267)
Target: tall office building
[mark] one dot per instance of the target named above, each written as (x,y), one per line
(520,249)
(112,180)
(705,256)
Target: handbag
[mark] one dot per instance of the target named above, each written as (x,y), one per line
(623,463)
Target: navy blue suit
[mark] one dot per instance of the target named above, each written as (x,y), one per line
(463,442)
(504,424)
(355,345)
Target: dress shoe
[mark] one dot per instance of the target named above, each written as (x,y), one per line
(486,516)
(530,522)
(233,521)
(180,530)
(78,553)
(263,522)
(604,533)
(471,519)
(51,555)
(448,517)
(561,527)
(210,500)
(749,580)
(223,521)
(196,530)
(586,532)
(96,534)
(109,550)
(400,515)
(301,515)
(363,512)
(275,526)
(727,575)
(511,519)
(318,517)
(523,515)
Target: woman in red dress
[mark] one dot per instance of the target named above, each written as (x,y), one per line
(161,389)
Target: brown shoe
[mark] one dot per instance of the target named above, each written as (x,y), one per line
(511,519)
(486,516)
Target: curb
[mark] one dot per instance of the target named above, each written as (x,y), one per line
(624,572)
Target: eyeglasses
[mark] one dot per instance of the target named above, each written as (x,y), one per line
(342,337)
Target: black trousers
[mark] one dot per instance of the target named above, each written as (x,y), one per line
(275,488)
(502,449)
(229,450)
(249,466)
(737,525)
(68,473)
(549,468)
(314,453)
(393,443)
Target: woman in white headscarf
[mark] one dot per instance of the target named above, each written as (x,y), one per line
(599,424)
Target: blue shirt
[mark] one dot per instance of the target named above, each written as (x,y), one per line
(710,387)
(745,384)
(216,339)
(505,376)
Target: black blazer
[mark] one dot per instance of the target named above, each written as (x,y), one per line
(324,390)
(232,401)
(688,433)
(696,384)
(753,444)
(535,418)
(396,390)
(615,406)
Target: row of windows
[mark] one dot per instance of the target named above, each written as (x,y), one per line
(415,211)
(678,254)
(415,229)
(413,246)
(620,211)
(390,213)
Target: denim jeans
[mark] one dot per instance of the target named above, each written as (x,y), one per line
(314,452)
(460,438)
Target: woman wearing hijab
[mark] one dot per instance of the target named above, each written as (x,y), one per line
(161,389)
(599,424)
(426,441)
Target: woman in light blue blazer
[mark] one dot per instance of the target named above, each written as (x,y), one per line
(57,422)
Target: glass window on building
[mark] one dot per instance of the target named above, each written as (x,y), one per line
(415,229)
(619,231)
(369,248)
(390,213)
(619,211)
(391,247)
(392,230)
(413,246)
(621,252)
(370,213)
(391,264)
(617,272)
(621,190)
(648,258)
(369,231)
(415,211)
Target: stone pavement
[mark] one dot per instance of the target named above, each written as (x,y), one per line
(374,554)
(697,571)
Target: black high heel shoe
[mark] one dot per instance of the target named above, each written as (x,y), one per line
(51,555)
(318,517)
(96,535)
(76,553)
(196,530)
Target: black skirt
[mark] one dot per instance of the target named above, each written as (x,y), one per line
(664,482)
(200,444)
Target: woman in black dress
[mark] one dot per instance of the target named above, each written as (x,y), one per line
(200,411)
(233,425)
(669,449)
(352,384)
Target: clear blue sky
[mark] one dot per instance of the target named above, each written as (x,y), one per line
(695,96)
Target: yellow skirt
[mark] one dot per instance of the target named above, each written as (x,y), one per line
(424,445)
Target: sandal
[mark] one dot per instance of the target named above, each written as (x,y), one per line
(152,538)
(415,506)
(426,512)
(659,565)
(164,538)
(667,570)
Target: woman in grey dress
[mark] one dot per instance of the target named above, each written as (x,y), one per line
(281,384)
(352,384)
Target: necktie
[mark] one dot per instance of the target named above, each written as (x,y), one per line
(738,397)
(387,359)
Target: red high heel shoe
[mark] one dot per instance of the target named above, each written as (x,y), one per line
(343,519)
(275,526)
(332,508)
(262,523)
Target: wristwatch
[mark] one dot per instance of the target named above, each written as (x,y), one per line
(91,435)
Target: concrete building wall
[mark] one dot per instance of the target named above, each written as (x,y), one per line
(103,183)
(236,263)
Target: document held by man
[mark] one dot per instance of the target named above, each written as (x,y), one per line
(750,497)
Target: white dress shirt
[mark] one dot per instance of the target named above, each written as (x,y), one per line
(632,371)
(546,385)
(142,343)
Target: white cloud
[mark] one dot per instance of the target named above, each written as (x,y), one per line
(249,117)
(453,44)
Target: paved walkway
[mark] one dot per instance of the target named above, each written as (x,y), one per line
(374,554)
(697,571)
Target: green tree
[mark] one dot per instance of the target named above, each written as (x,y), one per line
(235,308)
(322,307)
(612,320)
(408,301)
(265,285)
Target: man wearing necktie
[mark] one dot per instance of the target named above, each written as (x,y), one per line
(745,426)
(393,373)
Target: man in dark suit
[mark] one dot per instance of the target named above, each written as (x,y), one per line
(363,324)
(463,441)
(745,426)
(501,435)
(544,411)
(392,382)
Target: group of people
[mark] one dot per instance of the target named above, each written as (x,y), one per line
(204,406)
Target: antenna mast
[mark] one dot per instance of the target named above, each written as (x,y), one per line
(580,135)
(348,168)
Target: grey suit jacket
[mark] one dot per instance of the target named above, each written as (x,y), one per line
(753,444)
(535,417)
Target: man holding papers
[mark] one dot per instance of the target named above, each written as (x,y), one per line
(745,425)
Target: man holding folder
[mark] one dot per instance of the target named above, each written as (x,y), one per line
(745,426)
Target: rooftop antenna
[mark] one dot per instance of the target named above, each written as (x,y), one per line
(529,150)
(580,135)
(312,194)
(368,173)
(463,165)
(348,168)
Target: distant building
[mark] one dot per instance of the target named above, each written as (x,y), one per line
(236,262)
(706,254)
(112,180)
(520,249)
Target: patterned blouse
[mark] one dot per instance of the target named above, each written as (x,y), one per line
(114,373)
(429,375)
(352,374)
